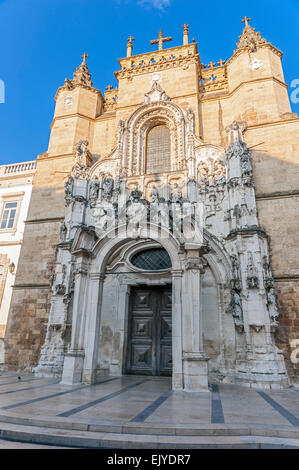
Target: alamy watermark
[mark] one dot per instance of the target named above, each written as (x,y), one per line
(2,92)
(294,96)
(295,353)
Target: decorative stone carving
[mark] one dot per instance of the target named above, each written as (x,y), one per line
(235,131)
(81,77)
(93,192)
(68,190)
(272,305)
(250,38)
(235,281)
(176,194)
(107,187)
(156,94)
(236,306)
(62,232)
(252,278)
(82,160)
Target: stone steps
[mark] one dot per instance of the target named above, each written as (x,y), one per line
(145,435)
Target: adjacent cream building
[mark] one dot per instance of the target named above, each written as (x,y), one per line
(161,233)
(15,192)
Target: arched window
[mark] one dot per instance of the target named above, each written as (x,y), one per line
(158,150)
(152,259)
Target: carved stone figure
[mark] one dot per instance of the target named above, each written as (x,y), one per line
(235,131)
(190,120)
(93,192)
(107,187)
(272,305)
(176,195)
(252,279)
(136,214)
(103,218)
(68,190)
(63,231)
(236,306)
(155,194)
(81,152)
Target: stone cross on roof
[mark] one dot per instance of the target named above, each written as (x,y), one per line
(246,20)
(160,40)
(84,57)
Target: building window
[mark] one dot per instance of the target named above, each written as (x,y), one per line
(9,215)
(153,259)
(157,158)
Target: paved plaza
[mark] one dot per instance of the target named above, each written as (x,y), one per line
(143,412)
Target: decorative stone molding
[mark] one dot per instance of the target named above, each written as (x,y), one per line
(151,62)
(250,38)
(213,79)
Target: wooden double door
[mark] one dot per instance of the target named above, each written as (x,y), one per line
(149,346)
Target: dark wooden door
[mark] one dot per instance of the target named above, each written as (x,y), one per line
(150,331)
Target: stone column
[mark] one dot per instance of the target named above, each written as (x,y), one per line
(177,364)
(185,34)
(94,309)
(195,362)
(73,361)
(118,358)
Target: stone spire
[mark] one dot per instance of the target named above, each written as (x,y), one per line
(81,76)
(249,38)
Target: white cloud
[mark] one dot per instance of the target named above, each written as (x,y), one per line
(159,4)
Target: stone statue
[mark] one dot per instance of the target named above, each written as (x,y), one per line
(107,187)
(63,231)
(190,120)
(235,131)
(272,305)
(155,194)
(236,305)
(68,189)
(93,192)
(176,195)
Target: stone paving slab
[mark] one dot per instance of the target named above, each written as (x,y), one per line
(144,409)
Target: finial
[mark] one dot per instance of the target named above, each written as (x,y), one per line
(84,57)
(130,46)
(245,20)
(185,34)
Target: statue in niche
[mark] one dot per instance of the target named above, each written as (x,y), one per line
(103,217)
(82,154)
(246,166)
(235,281)
(176,195)
(236,306)
(62,232)
(68,190)
(272,305)
(107,187)
(93,192)
(155,194)
(121,130)
(237,214)
(190,120)
(137,212)
(235,131)
(252,279)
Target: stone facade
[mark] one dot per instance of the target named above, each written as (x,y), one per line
(233,172)
(15,193)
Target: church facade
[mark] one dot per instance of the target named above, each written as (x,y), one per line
(160,237)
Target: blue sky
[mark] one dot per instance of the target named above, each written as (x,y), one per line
(42,42)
